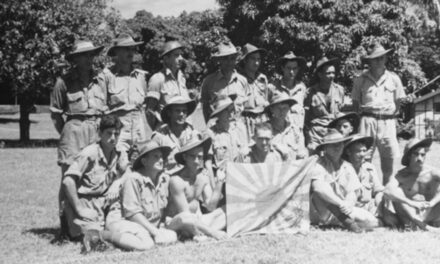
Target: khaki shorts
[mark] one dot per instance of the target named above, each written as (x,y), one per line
(76,224)
(134,128)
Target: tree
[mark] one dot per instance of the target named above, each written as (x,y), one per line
(36,35)
(342,29)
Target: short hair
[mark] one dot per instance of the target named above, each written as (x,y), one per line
(110,121)
(262,126)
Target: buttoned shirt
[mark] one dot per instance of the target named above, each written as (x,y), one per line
(140,195)
(125,92)
(226,145)
(289,137)
(73,97)
(343,180)
(257,91)
(370,183)
(93,172)
(378,97)
(165,85)
(251,157)
(323,107)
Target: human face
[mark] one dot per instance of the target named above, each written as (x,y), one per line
(290,70)
(84,61)
(178,114)
(357,153)
(153,160)
(334,150)
(173,60)
(252,62)
(194,158)
(344,127)
(227,63)
(280,111)
(109,137)
(377,63)
(327,74)
(125,55)
(262,140)
(226,116)
(417,157)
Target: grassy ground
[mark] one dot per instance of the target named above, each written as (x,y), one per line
(28,228)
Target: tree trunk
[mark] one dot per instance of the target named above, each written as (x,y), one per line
(25,123)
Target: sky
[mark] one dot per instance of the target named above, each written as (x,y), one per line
(161,7)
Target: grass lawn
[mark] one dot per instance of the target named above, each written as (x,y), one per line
(29,224)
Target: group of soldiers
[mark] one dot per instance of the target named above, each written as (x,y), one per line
(135,171)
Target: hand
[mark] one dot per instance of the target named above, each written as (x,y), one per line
(221,176)
(420,205)
(87,214)
(346,208)
(112,193)
(165,236)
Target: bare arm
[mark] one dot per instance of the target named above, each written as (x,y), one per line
(69,186)
(396,194)
(325,191)
(211,197)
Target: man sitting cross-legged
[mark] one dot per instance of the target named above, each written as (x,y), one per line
(262,150)
(334,186)
(191,185)
(93,179)
(415,190)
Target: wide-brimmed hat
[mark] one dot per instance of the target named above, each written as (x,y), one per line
(177,100)
(221,104)
(332,137)
(412,145)
(351,117)
(146,147)
(252,111)
(280,97)
(375,51)
(192,142)
(224,49)
(324,61)
(123,40)
(83,46)
(290,56)
(170,46)
(249,49)
(367,140)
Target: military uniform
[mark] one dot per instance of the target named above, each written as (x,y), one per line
(370,187)
(250,157)
(165,85)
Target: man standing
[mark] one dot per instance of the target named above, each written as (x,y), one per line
(377,94)
(225,81)
(126,88)
(78,96)
(415,190)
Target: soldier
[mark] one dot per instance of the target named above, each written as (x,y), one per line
(324,100)
(377,94)
(346,123)
(126,89)
(78,96)
(225,81)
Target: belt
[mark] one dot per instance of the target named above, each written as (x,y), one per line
(378,116)
(83,117)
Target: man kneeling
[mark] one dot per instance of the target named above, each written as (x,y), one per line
(415,190)
(334,186)
(190,186)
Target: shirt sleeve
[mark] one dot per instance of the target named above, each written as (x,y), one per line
(80,165)
(353,182)
(130,197)
(154,86)
(377,185)
(58,97)
(400,91)
(356,91)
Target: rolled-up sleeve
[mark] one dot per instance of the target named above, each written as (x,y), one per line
(130,197)
(58,97)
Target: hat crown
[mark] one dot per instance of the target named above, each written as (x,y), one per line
(332,135)
(193,138)
(278,97)
(147,146)
(123,39)
(82,44)
(224,49)
(171,45)
(375,48)
(178,99)
(221,102)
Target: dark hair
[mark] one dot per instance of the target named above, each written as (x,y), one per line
(262,126)
(110,121)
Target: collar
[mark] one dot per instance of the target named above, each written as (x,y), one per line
(220,76)
(161,180)
(102,157)
(381,79)
(168,73)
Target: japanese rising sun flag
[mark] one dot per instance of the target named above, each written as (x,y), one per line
(268,198)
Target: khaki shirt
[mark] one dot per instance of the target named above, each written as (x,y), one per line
(250,157)
(140,195)
(370,183)
(290,137)
(226,145)
(125,92)
(165,85)
(379,97)
(323,107)
(257,91)
(93,172)
(72,97)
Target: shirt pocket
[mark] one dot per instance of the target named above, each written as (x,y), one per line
(389,90)
(148,206)
(97,99)
(77,102)
(117,94)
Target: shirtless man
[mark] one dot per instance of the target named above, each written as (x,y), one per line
(415,190)
(190,186)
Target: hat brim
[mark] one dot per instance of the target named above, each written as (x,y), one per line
(191,105)
(335,62)
(205,143)
(168,51)
(331,142)
(367,140)
(424,143)
(261,51)
(289,101)
(95,51)
(219,55)
(378,54)
(353,118)
(220,109)
(253,111)
(111,50)
(165,152)
(301,61)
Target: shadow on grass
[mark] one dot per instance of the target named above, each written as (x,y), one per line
(49,233)
(5,120)
(33,143)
